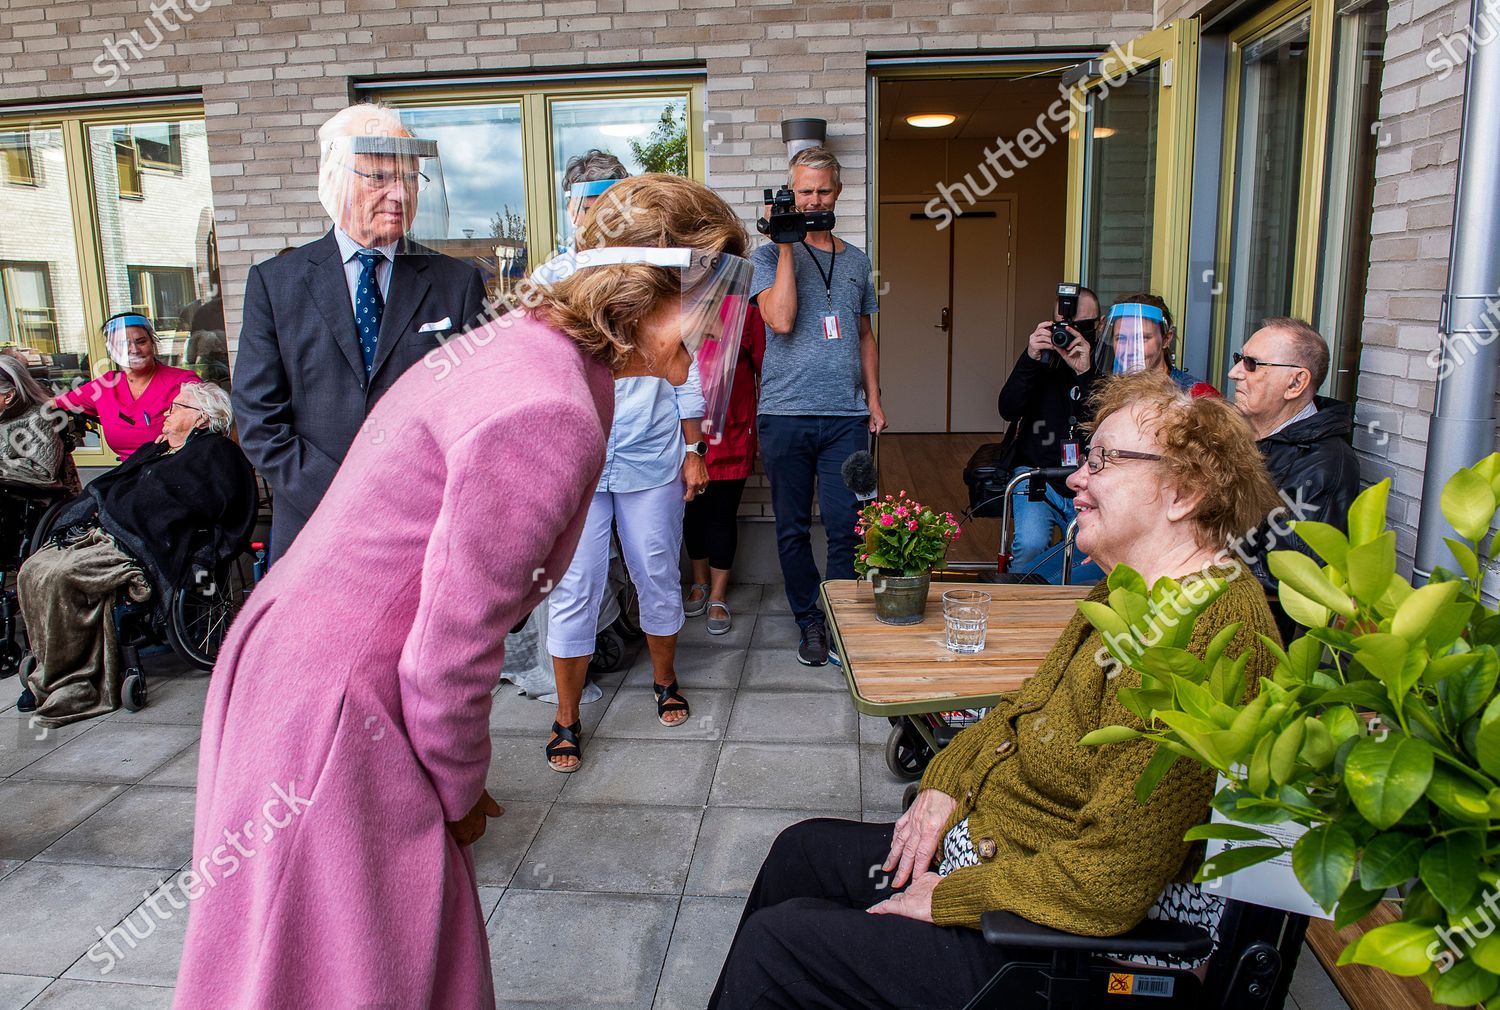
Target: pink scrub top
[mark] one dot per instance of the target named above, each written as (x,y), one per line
(129,422)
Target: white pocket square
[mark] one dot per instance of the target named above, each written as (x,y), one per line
(445,323)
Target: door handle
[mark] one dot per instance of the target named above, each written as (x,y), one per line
(945,322)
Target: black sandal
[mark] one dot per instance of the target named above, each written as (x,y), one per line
(567,745)
(668,699)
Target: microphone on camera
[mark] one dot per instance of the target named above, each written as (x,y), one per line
(858,472)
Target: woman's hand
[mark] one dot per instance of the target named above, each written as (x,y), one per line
(469,830)
(918,834)
(915,902)
(694,476)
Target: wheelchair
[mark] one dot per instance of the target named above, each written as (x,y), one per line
(25,509)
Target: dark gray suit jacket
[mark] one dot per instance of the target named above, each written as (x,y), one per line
(299,389)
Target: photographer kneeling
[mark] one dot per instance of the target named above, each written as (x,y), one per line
(1045,398)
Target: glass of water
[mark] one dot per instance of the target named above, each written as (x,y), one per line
(966,615)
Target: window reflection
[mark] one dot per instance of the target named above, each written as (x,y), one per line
(1121,163)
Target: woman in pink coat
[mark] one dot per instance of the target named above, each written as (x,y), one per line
(346,733)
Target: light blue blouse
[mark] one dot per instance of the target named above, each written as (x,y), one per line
(646,447)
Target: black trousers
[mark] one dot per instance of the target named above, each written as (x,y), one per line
(710,523)
(806,940)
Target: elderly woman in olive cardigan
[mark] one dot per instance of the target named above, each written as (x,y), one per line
(1014,814)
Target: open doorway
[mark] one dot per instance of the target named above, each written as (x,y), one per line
(970,252)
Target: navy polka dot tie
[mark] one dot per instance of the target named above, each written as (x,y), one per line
(368,306)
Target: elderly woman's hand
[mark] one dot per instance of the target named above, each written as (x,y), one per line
(915,902)
(918,834)
(471,828)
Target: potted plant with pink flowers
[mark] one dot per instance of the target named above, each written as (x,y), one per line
(904,541)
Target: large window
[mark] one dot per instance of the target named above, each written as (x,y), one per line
(118,215)
(1121,148)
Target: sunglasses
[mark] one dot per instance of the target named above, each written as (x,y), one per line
(1251,364)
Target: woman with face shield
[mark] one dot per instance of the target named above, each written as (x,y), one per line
(346,748)
(1138,336)
(131,401)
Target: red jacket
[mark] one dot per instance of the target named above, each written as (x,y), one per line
(732,457)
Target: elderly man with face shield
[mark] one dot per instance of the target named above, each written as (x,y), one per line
(329,327)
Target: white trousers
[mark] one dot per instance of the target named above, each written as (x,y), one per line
(650,524)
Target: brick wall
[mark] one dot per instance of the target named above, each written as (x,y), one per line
(1416,170)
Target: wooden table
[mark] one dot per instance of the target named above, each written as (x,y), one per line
(895,670)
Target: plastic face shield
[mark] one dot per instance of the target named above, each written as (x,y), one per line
(1132,338)
(714,295)
(381,189)
(579,198)
(130,341)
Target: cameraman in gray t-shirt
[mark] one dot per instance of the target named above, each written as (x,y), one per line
(820,390)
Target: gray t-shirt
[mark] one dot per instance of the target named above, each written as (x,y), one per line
(806,372)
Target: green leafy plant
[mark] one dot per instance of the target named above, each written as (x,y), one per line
(902,537)
(666,149)
(1379,732)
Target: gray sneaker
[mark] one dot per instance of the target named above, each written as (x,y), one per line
(719,625)
(812,650)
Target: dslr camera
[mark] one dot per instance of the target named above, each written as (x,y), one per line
(1067,307)
(787,224)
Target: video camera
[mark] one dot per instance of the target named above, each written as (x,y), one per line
(787,224)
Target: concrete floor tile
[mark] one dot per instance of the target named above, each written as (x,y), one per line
(874,729)
(156,927)
(145,826)
(182,770)
(646,772)
(506,839)
(65,994)
(776,632)
(115,752)
(813,777)
(519,770)
(489,900)
(18,990)
(744,598)
(879,788)
(793,717)
(773,599)
(174,700)
(778,670)
(732,845)
(1311,988)
(742,625)
(517,715)
(48,912)
(8,866)
(632,715)
(697,666)
(700,940)
(624,849)
(568,949)
(881,816)
(22,743)
(38,814)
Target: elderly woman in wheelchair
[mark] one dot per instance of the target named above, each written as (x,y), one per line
(1014,815)
(134,530)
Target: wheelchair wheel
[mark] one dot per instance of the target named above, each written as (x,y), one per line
(628,624)
(609,651)
(11,655)
(201,613)
(43,529)
(906,754)
(133,691)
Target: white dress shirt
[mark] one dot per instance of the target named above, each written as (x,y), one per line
(352,267)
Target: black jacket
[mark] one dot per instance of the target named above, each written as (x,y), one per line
(1043,401)
(1314,455)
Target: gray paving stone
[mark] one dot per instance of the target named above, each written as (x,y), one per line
(50,912)
(776,631)
(489,900)
(115,752)
(813,777)
(646,772)
(637,850)
(38,814)
(8,866)
(732,845)
(632,715)
(793,717)
(744,598)
(146,947)
(519,771)
(182,770)
(174,700)
(18,990)
(773,599)
(700,940)
(742,626)
(778,670)
(874,729)
(697,667)
(22,744)
(1311,988)
(66,994)
(565,948)
(145,826)
(517,715)
(506,839)
(879,788)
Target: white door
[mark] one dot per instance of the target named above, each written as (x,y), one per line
(983,350)
(913,343)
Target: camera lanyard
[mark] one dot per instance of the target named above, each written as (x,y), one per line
(827,278)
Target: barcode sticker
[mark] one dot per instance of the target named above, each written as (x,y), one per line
(1123,984)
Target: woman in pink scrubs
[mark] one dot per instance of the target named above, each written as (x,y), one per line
(130,401)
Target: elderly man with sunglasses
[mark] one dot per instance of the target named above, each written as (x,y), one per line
(1303,437)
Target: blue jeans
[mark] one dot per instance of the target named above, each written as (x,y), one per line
(1034,522)
(799,450)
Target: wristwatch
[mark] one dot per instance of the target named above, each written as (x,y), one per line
(700,447)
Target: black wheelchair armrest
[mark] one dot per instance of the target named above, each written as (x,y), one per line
(1152,937)
(945,733)
(22,488)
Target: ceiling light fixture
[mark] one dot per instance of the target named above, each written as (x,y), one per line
(931,120)
(1100,132)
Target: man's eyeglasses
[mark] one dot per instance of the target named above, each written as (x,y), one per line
(379,180)
(1251,364)
(1098,457)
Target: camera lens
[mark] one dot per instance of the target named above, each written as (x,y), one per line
(1060,335)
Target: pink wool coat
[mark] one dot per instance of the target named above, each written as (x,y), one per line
(348,716)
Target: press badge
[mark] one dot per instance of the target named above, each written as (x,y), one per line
(830,327)
(1070,454)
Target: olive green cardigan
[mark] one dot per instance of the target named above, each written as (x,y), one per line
(1068,845)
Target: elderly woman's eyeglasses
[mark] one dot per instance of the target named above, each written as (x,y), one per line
(1251,364)
(379,180)
(1098,457)
(180,406)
